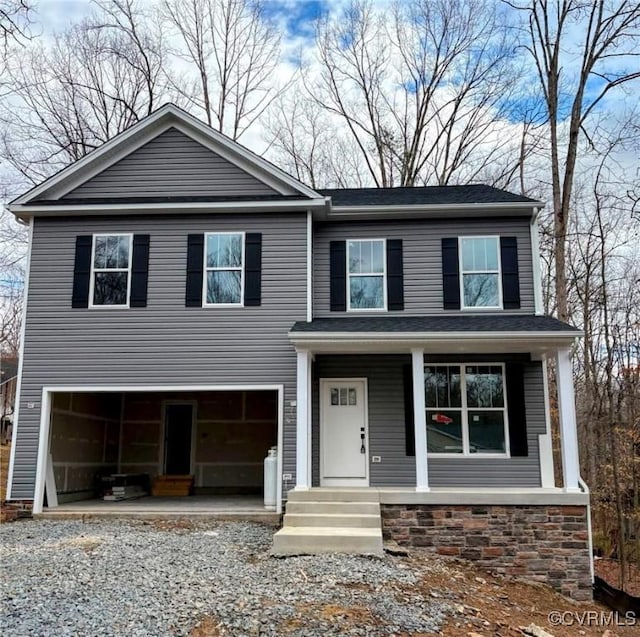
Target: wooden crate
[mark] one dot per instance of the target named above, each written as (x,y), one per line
(172,485)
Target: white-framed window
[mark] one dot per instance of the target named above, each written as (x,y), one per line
(466,409)
(366,274)
(480,279)
(111,270)
(223,268)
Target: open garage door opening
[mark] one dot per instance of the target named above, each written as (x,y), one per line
(209,446)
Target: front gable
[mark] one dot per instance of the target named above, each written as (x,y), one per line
(172,165)
(168,155)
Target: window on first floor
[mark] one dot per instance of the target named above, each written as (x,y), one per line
(466,409)
(480,272)
(111,269)
(366,270)
(224,263)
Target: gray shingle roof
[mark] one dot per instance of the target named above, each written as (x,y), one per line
(466,323)
(428,195)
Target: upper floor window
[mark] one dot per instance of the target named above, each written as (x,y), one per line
(111,269)
(466,410)
(224,263)
(480,272)
(366,273)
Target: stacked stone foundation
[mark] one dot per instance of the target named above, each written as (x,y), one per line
(547,544)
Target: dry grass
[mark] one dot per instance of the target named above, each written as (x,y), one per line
(5,451)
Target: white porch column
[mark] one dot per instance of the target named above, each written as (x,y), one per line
(303,425)
(567,413)
(419,420)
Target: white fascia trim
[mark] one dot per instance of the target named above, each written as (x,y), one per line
(24,211)
(320,337)
(146,129)
(23,327)
(522,207)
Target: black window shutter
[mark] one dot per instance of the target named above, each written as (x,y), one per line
(253,268)
(195,264)
(139,270)
(409,431)
(510,276)
(338,276)
(517,413)
(450,274)
(82,271)
(395,278)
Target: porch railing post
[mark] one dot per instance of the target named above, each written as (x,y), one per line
(567,413)
(419,420)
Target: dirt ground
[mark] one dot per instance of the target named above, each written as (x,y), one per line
(486,606)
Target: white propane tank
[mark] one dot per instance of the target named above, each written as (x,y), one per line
(271,479)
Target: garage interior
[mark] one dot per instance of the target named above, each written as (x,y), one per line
(219,437)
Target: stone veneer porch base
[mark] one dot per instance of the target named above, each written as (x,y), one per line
(545,543)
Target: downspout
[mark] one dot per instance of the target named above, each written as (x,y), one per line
(585,489)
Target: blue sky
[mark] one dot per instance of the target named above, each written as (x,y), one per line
(297,15)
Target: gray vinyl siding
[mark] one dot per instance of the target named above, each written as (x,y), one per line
(387,429)
(172,164)
(164,343)
(422,259)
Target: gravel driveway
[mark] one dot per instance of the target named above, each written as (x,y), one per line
(152,579)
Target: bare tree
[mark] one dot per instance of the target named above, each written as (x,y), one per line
(234,50)
(93,81)
(15,21)
(305,141)
(580,49)
(418,88)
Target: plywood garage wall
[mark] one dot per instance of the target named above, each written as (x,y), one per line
(234,433)
(84,441)
(141,433)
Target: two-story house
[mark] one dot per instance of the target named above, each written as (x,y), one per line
(190,306)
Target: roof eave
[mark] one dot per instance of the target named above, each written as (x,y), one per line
(481,342)
(519,208)
(24,211)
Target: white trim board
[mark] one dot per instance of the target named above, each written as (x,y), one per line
(45,422)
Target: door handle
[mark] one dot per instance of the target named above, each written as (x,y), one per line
(362,448)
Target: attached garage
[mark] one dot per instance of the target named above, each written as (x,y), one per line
(218,436)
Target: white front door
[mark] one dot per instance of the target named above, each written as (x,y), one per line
(344,436)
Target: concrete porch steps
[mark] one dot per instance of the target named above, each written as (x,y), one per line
(330,521)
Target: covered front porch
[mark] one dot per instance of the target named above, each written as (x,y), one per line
(365,416)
